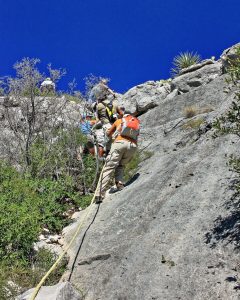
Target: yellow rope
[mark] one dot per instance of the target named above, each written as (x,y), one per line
(36,290)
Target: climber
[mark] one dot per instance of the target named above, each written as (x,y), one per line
(95,137)
(100,90)
(122,151)
(106,108)
(47,86)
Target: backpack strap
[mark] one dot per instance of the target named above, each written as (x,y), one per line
(109,111)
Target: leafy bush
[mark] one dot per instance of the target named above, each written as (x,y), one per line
(184,60)
(39,197)
(27,205)
(17,278)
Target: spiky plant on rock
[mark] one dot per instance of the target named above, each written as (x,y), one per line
(184,60)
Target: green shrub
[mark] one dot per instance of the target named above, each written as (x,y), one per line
(17,278)
(27,205)
(184,60)
(36,198)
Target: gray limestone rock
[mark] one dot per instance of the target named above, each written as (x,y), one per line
(196,66)
(60,291)
(145,96)
(195,78)
(153,236)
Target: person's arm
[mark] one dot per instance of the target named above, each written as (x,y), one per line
(111,130)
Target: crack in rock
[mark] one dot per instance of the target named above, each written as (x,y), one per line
(89,260)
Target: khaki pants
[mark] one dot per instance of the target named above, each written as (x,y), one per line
(121,153)
(107,140)
(102,138)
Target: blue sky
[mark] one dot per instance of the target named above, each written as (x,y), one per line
(129,41)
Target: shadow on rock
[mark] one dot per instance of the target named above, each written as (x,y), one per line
(131,180)
(227,228)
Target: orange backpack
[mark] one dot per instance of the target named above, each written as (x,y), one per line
(130,127)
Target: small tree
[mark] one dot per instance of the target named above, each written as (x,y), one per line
(44,137)
(34,110)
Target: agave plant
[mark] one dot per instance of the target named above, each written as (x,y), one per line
(184,60)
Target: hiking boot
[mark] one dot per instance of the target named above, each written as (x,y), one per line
(98,199)
(119,185)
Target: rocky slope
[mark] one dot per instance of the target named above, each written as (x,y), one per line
(161,237)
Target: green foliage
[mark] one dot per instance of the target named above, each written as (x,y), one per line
(184,60)
(27,205)
(57,155)
(17,278)
(39,198)
(50,184)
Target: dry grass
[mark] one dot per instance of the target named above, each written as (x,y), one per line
(193,124)
(190,111)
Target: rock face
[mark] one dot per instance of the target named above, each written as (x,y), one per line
(193,79)
(145,96)
(156,238)
(168,234)
(60,291)
(228,56)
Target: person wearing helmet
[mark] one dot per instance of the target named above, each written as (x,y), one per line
(107,109)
